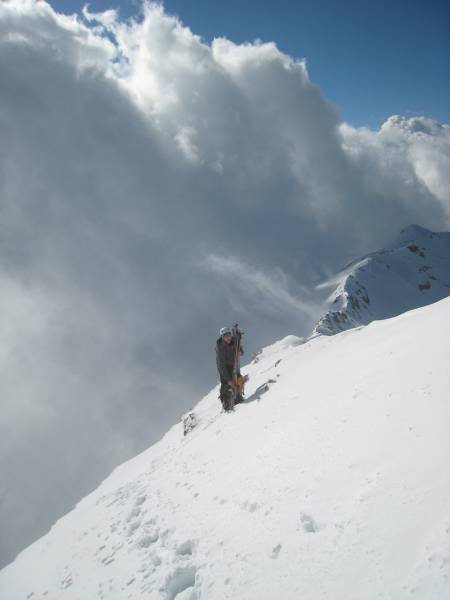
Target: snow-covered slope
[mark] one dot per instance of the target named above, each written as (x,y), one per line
(331,482)
(413,271)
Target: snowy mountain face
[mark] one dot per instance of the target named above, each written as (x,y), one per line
(414,271)
(331,481)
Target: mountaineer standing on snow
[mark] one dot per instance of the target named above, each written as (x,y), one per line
(228,353)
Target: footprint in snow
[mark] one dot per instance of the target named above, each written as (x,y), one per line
(140,500)
(250,506)
(135,512)
(147,540)
(276,551)
(133,527)
(308,523)
(185,549)
(180,584)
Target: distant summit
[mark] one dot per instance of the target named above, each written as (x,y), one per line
(411,272)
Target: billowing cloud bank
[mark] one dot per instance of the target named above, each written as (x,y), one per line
(152,189)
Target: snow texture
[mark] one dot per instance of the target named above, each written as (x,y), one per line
(331,481)
(414,271)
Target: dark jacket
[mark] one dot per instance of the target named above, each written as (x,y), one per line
(225,359)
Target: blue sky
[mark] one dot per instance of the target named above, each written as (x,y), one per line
(371,59)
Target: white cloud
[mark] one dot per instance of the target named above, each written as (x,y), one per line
(185,139)
(130,151)
(408,152)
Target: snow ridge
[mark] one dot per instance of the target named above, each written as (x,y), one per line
(330,481)
(413,271)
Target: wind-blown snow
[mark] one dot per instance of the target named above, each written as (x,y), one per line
(331,481)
